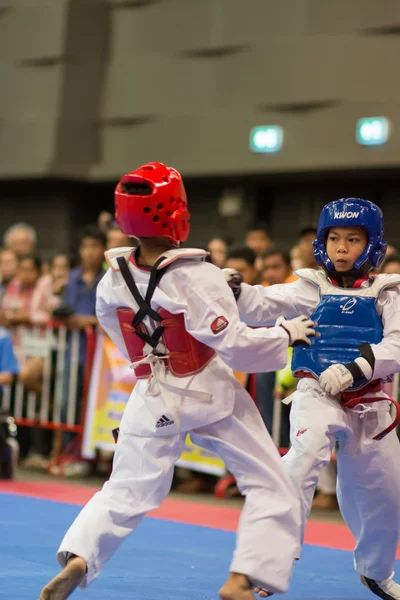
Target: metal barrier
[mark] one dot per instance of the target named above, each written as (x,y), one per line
(63,360)
(66,359)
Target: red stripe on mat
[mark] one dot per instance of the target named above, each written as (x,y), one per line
(318,533)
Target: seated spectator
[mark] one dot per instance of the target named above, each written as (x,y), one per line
(218,249)
(21,239)
(276,267)
(16,305)
(8,270)
(243,260)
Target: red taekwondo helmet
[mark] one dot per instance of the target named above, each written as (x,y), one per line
(151,202)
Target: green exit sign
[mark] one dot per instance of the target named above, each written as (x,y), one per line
(266,138)
(372,131)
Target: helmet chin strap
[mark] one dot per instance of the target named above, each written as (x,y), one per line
(352,275)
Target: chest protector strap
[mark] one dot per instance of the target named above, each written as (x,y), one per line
(145,309)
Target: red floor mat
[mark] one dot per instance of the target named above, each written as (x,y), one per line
(318,533)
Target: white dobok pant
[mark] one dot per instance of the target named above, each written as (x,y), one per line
(269,527)
(368,483)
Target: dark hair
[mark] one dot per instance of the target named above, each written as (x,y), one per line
(34,258)
(391,259)
(95,233)
(278,252)
(243,253)
(307,230)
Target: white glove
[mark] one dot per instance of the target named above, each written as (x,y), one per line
(234,280)
(335,379)
(299,329)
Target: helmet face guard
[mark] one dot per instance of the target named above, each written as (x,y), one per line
(352,212)
(151,202)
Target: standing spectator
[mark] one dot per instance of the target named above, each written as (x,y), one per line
(243,260)
(117,239)
(104,221)
(8,270)
(78,309)
(16,305)
(80,292)
(218,248)
(259,241)
(306,248)
(390,250)
(50,289)
(21,238)
(391,264)
(16,310)
(295,258)
(46,298)
(276,267)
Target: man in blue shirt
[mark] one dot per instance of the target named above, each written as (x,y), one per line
(80,292)
(78,310)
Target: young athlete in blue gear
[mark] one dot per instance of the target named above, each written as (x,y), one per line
(339,396)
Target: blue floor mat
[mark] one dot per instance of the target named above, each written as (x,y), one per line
(161,560)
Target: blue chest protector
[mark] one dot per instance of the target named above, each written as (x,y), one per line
(346,319)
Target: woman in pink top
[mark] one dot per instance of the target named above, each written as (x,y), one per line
(49,290)
(46,297)
(16,305)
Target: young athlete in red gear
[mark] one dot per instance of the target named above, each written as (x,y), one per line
(174,316)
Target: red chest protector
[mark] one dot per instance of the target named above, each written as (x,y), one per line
(185,355)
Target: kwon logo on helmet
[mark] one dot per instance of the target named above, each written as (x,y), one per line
(346,215)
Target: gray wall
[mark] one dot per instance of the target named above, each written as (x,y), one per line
(92,88)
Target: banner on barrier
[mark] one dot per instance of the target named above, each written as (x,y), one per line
(111,384)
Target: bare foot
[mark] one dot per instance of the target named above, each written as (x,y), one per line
(237,587)
(62,586)
(262,593)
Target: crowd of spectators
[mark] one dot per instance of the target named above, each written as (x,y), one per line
(35,292)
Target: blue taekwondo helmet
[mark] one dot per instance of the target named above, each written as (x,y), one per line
(348,212)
